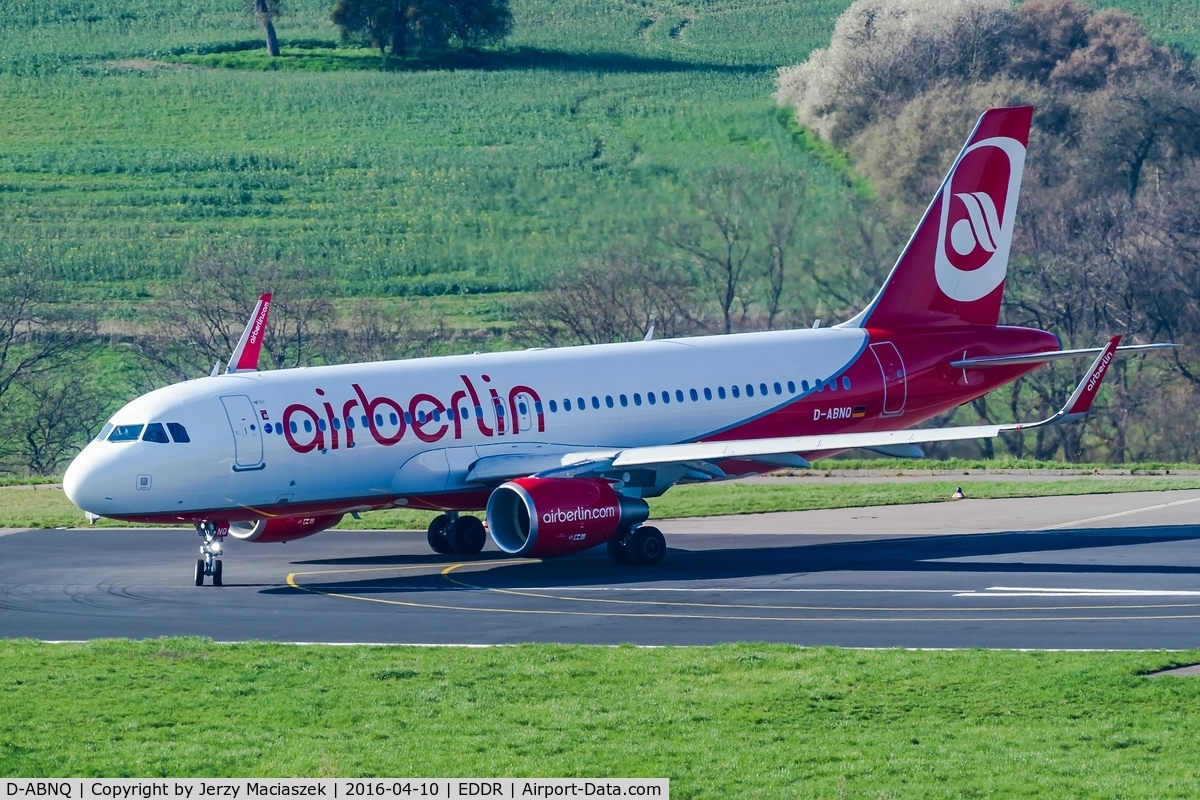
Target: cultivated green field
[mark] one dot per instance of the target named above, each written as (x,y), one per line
(50,508)
(117,163)
(752,721)
(128,144)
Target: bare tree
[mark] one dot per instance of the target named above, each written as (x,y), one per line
(39,331)
(58,413)
(373,333)
(205,312)
(721,245)
(266,12)
(784,204)
(612,299)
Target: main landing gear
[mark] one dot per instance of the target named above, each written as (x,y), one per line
(213,535)
(457,534)
(644,545)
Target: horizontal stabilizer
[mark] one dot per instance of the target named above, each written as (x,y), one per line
(245,355)
(1054,355)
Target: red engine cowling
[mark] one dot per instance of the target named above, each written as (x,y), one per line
(540,517)
(282,529)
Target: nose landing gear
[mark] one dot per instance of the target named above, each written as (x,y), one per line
(213,535)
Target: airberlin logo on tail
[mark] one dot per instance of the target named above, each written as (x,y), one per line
(979,206)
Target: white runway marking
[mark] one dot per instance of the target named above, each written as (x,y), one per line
(1119,514)
(1024,591)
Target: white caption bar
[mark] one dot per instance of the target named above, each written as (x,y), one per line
(332,788)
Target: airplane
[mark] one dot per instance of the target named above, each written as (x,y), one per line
(561,447)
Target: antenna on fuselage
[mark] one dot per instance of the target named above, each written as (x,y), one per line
(649,333)
(216,370)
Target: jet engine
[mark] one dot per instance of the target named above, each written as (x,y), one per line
(282,529)
(540,517)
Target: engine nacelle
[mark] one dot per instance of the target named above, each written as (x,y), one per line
(540,517)
(282,529)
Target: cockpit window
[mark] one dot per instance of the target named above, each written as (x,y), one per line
(178,432)
(155,433)
(107,429)
(125,433)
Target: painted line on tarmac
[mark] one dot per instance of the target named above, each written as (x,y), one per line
(1119,514)
(1017,591)
(291,580)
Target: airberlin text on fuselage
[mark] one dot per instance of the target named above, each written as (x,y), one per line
(307,428)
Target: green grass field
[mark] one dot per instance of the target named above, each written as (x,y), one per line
(137,133)
(50,508)
(753,721)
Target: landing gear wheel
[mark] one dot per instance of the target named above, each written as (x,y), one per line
(466,535)
(199,571)
(436,535)
(217,573)
(647,546)
(618,551)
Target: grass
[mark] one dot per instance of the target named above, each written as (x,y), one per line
(49,508)
(732,721)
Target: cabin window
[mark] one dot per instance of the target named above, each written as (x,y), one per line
(778,388)
(595,402)
(293,426)
(582,405)
(637,399)
(350,423)
(804,385)
(392,417)
(707,393)
(721,392)
(749,390)
(308,426)
(524,409)
(693,395)
(180,434)
(155,433)
(679,395)
(845,382)
(608,401)
(624,401)
(566,404)
(125,433)
(321,424)
(337,424)
(666,396)
(791,387)
(650,396)
(553,407)
(736,392)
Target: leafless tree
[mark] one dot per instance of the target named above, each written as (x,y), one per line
(611,299)
(58,412)
(203,316)
(39,331)
(373,332)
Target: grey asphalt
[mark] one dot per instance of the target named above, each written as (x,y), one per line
(1102,571)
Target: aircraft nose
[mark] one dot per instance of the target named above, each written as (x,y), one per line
(83,481)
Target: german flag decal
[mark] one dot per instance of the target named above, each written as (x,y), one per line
(859,411)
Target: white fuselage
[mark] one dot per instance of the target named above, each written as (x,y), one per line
(414,428)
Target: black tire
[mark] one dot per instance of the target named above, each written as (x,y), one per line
(647,546)
(618,552)
(217,573)
(199,571)
(466,535)
(436,535)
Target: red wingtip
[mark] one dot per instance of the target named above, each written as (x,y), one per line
(245,355)
(1090,386)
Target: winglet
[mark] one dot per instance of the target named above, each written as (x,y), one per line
(245,355)
(1085,392)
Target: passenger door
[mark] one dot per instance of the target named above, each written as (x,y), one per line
(247,433)
(895,381)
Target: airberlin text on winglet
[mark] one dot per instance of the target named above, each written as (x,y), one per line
(430,418)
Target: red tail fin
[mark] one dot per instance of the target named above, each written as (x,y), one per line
(952,270)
